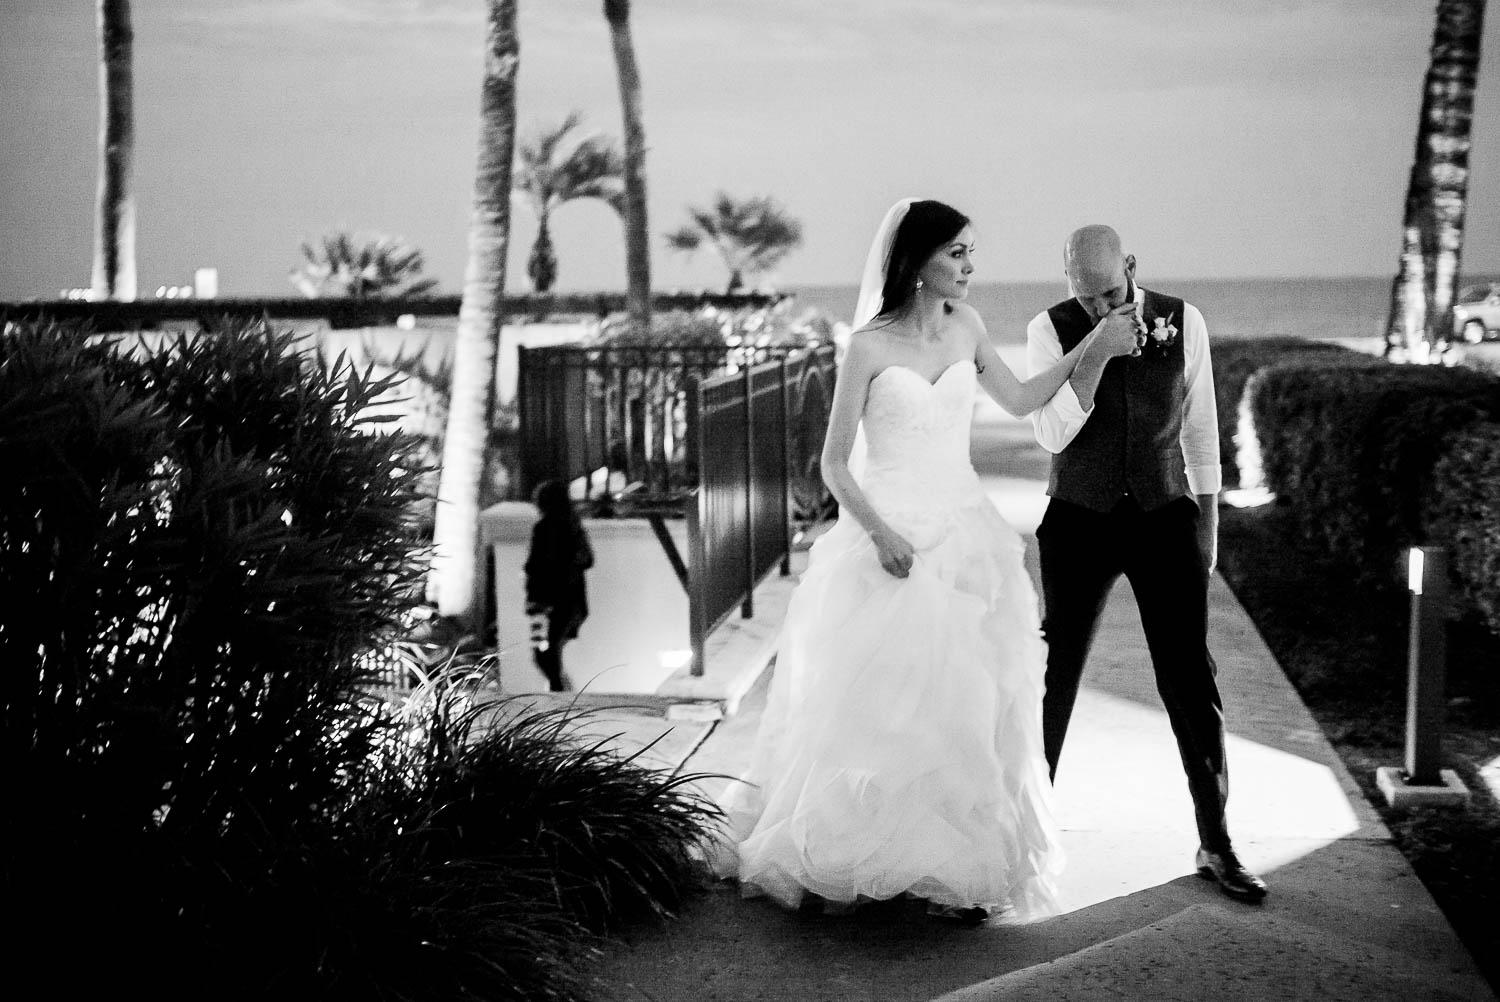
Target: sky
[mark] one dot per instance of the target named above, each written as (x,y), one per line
(1222,138)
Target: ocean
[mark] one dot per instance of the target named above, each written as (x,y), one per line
(1343,308)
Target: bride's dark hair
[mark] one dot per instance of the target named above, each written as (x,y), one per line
(928,225)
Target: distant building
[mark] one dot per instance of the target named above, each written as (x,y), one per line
(206,283)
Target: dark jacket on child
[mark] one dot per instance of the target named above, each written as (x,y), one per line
(559,555)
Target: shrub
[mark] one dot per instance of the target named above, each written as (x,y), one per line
(1236,360)
(742,329)
(1463,515)
(397,896)
(488,851)
(497,778)
(1351,449)
(204,548)
(419,401)
(699,328)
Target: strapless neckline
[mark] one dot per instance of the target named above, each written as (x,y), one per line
(930,382)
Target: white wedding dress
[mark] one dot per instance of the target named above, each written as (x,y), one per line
(901,747)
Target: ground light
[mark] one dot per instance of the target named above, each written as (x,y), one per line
(1423,782)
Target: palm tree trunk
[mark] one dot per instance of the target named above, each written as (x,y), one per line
(1421,321)
(114,230)
(637,241)
(454,585)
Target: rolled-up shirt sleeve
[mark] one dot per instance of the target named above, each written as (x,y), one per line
(1059,419)
(1200,423)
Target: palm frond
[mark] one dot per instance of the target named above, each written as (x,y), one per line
(544,141)
(554,167)
(594,169)
(685,239)
(751,235)
(360,266)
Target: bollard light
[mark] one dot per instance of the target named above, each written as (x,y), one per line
(1415,559)
(1427,663)
(1423,781)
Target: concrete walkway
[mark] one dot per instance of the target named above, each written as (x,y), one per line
(1346,918)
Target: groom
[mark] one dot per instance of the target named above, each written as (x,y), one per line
(1134,491)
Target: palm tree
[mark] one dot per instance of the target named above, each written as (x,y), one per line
(114,230)
(1421,319)
(453,584)
(360,267)
(637,241)
(551,170)
(750,236)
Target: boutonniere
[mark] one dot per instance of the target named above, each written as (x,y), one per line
(1164,334)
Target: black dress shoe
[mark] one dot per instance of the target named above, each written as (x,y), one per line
(1234,880)
(973,915)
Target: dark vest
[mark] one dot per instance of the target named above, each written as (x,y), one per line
(1130,444)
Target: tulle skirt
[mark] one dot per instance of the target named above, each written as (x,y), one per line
(901,747)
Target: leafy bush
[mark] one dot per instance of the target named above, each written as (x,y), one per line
(205,549)
(420,403)
(698,328)
(743,328)
(1235,361)
(224,603)
(1463,515)
(202,547)
(1351,449)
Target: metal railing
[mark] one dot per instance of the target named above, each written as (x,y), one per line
(619,418)
(728,437)
(739,516)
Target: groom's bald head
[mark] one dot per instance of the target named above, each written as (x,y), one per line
(1099,271)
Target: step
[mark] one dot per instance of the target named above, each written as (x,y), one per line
(1230,953)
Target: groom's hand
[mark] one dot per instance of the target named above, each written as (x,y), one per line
(1208,530)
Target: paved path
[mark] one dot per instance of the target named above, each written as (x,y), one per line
(1346,918)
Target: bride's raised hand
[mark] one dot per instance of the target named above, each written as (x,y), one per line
(1118,334)
(896,554)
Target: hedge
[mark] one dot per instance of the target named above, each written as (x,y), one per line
(1463,516)
(343,313)
(1236,361)
(1352,449)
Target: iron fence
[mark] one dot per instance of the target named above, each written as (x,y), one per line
(619,418)
(728,437)
(740,514)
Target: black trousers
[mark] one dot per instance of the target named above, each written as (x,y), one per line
(549,661)
(1083,553)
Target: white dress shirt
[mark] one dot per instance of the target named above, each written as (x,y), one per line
(1059,419)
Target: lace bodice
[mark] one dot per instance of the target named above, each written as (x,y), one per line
(917,436)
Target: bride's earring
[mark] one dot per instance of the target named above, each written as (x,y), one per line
(919,283)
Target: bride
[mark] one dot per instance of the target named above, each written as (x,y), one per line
(901,747)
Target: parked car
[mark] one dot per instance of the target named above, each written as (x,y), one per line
(1476,315)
